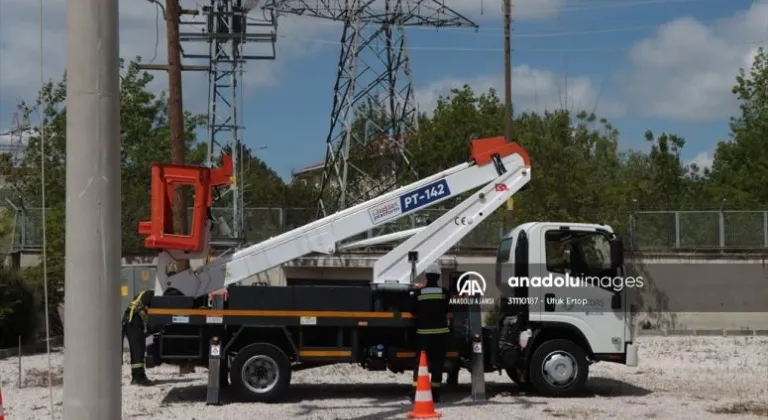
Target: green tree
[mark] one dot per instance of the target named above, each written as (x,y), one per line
(262,186)
(443,138)
(740,167)
(144,138)
(17,308)
(6,229)
(575,158)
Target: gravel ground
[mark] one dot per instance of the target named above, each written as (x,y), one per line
(679,378)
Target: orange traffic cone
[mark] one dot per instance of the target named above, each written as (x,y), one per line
(2,410)
(423,406)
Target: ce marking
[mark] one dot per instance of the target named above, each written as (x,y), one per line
(458,221)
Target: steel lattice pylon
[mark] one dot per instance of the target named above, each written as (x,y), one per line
(373,104)
(227,29)
(16,146)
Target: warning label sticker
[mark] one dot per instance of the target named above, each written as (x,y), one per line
(385,212)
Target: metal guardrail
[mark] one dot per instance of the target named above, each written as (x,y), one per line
(644,230)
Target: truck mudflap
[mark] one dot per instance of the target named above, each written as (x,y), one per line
(632,357)
(628,358)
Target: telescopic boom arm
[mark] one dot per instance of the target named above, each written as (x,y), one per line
(502,168)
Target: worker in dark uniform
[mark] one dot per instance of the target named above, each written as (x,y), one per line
(431,309)
(134,329)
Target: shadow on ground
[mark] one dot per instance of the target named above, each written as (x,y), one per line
(392,400)
(606,387)
(172,381)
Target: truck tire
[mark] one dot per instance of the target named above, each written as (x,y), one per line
(558,368)
(519,380)
(260,372)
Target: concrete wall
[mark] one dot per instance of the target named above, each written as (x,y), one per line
(707,296)
(710,289)
(694,292)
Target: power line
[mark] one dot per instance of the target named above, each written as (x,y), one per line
(594,6)
(595,31)
(494,50)
(493,31)
(627,4)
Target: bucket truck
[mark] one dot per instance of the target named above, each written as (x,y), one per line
(253,339)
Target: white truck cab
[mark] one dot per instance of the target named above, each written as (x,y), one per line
(565,304)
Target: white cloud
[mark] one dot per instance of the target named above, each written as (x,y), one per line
(140,32)
(477,10)
(522,9)
(686,70)
(703,160)
(533,90)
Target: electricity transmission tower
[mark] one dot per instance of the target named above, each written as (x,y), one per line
(16,143)
(373,102)
(227,28)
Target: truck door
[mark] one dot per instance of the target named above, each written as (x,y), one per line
(512,261)
(505,261)
(579,286)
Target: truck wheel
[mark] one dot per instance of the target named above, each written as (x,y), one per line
(558,368)
(517,377)
(260,372)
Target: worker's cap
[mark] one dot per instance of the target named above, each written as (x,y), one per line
(433,268)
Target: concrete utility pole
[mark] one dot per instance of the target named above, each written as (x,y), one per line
(92,349)
(508,70)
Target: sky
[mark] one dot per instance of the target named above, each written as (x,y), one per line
(663,65)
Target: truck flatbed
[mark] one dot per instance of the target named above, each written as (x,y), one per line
(292,305)
(309,326)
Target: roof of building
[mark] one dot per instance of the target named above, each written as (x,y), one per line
(309,169)
(318,166)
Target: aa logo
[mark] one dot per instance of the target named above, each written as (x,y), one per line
(471,283)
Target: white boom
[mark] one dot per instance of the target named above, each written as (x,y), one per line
(445,232)
(501,178)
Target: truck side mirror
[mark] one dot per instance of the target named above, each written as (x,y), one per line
(617,252)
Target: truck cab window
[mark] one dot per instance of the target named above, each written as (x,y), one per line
(505,249)
(580,253)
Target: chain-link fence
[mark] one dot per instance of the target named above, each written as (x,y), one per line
(645,230)
(25,229)
(263,223)
(699,230)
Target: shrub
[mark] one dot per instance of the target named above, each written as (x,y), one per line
(18,310)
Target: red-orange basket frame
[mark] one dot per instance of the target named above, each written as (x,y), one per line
(165,178)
